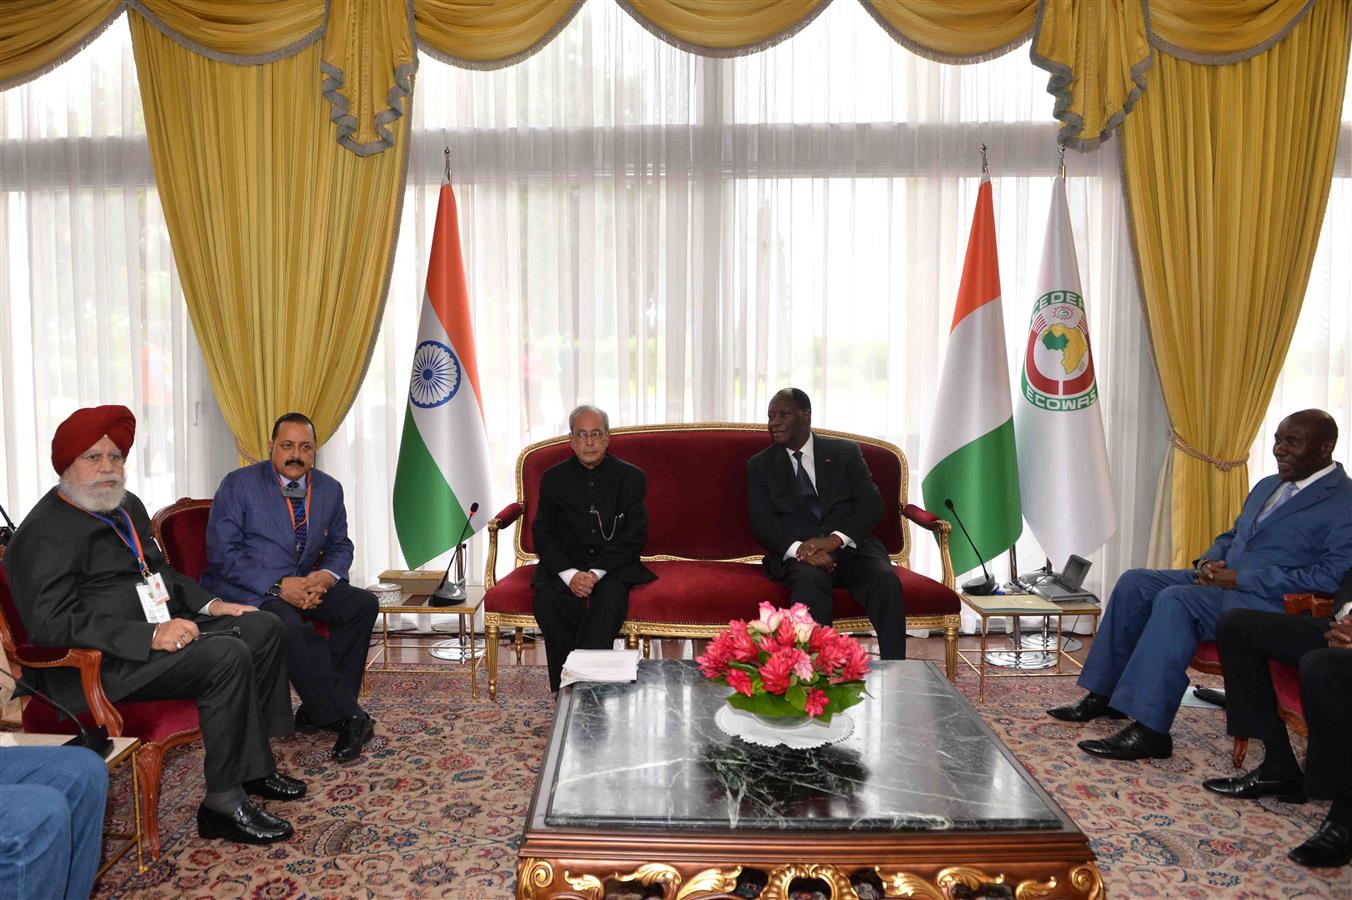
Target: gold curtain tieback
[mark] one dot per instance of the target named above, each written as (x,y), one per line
(1225,465)
(245,454)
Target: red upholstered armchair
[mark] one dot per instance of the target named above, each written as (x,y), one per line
(160,724)
(1285,678)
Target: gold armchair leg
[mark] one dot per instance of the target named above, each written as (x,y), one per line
(491,654)
(951,652)
(647,648)
(519,644)
(630,640)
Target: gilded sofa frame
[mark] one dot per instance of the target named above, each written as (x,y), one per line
(639,632)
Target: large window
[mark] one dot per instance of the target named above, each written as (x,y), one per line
(668,236)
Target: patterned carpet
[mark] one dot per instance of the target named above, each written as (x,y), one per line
(395,824)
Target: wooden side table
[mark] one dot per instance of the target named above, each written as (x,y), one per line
(124,752)
(1016,606)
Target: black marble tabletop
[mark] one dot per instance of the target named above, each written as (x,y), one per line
(648,754)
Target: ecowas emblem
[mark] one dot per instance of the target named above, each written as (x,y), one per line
(436,375)
(1058,368)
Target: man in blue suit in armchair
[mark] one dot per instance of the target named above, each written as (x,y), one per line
(277,539)
(1294,533)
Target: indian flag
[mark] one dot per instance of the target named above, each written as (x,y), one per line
(443,454)
(970,456)
(1063,458)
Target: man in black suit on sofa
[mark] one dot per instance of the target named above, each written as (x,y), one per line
(589,530)
(1322,649)
(814,507)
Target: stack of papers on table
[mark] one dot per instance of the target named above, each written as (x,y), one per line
(600,665)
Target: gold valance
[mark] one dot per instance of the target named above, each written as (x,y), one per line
(723,27)
(1098,53)
(955,32)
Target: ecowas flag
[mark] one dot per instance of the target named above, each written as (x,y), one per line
(443,454)
(971,439)
(1063,460)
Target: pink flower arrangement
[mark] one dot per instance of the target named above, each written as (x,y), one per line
(785,665)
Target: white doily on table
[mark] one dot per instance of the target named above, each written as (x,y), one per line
(810,733)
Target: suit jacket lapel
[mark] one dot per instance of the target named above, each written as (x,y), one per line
(1304,499)
(828,474)
(280,506)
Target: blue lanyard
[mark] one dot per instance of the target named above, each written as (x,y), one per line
(131,538)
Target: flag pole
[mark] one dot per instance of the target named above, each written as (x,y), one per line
(985,168)
(1061,153)
(447,151)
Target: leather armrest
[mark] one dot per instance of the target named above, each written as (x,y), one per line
(88,662)
(923,517)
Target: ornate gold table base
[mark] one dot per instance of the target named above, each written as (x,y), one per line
(546,879)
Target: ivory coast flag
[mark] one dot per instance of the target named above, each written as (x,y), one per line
(1063,459)
(971,457)
(443,454)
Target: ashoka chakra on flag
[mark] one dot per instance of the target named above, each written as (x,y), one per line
(436,375)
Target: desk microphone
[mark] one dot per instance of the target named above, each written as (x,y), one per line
(7,530)
(449,594)
(95,738)
(978,587)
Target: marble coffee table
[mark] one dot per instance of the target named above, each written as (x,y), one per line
(639,786)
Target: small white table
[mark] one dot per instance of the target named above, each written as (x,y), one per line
(125,750)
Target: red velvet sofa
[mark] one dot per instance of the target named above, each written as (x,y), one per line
(700,543)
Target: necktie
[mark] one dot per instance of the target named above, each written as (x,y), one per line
(805,488)
(1287,491)
(298,517)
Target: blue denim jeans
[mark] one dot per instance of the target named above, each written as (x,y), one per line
(51,820)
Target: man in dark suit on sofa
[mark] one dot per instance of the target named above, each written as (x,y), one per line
(1294,533)
(1321,647)
(277,539)
(589,531)
(814,507)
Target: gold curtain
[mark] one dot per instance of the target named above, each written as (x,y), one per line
(36,36)
(1228,171)
(470,34)
(283,239)
(723,27)
(1097,54)
(955,32)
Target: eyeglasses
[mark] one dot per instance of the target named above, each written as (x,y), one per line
(582,436)
(94,459)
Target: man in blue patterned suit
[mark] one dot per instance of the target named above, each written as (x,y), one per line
(277,539)
(1294,533)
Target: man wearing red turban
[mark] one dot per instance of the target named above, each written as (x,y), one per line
(86,572)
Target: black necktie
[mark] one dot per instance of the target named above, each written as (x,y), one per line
(298,516)
(805,488)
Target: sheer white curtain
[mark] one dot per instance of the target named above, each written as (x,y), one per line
(90,307)
(675,238)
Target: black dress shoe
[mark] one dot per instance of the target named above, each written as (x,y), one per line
(353,733)
(305,724)
(276,787)
(1290,789)
(1328,848)
(248,824)
(1133,742)
(1090,707)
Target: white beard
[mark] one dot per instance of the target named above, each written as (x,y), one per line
(95,497)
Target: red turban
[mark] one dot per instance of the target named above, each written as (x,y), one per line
(86,427)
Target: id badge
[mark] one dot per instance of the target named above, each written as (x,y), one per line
(154,599)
